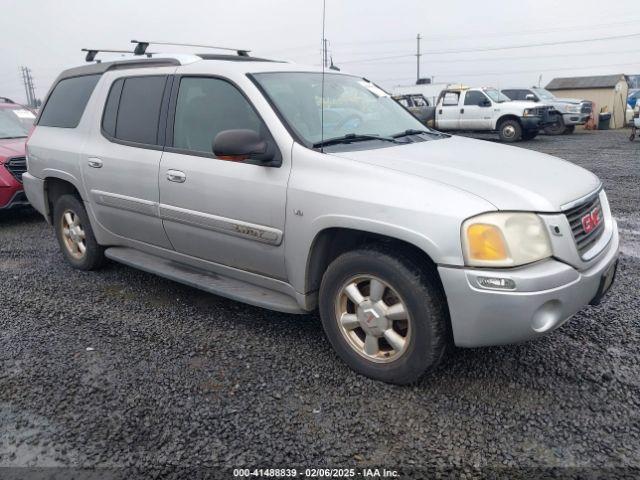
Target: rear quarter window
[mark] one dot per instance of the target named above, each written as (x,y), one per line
(67,102)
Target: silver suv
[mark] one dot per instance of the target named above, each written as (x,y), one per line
(278,186)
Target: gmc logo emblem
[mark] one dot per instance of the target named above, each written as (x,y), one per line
(591,220)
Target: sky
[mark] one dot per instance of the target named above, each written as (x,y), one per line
(470,42)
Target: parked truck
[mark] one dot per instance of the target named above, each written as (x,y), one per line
(573,111)
(486,109)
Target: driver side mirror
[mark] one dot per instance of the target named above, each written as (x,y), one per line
(485,103)
(245,145)
(531,97)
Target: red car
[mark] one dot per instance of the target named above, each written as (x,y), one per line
(16,122)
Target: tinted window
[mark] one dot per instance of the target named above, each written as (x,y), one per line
(111,108)
(474,98)
(207,106)
(139,109)
(67,102)
(516,94)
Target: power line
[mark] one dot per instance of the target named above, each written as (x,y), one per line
(502,34)
(449,37)
(528,57)
(511,72)
(491,49)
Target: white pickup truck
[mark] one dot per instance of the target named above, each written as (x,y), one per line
(486,109)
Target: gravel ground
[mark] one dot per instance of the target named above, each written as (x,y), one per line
(119,368)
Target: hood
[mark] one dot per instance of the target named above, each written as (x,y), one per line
(510,178)
(11,147)
(523,104)
(576,101)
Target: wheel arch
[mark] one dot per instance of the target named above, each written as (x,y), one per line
(54,187)
(507,116)
(331,242)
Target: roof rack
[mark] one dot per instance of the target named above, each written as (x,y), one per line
(141,47)
(92,52)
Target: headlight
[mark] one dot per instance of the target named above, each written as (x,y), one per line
(504,239)
(572,109)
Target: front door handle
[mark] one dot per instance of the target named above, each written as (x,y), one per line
(176,176)
(94,162)
(462,110)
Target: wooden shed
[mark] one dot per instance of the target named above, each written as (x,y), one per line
(607,92)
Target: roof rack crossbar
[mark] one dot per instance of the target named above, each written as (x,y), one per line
(141,47)
(92,52)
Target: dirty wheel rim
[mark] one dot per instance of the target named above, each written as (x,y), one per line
(73,234)
(373,318)
(509,131)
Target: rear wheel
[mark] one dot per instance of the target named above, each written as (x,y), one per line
(75,235)
(510,130)
(384,317)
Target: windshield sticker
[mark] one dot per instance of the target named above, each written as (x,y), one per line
(24,114)
(378,92)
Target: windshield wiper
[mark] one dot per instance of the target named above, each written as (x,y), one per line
(353,137)
(413,131)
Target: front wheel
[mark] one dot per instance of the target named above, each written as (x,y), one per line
(74,233)
(569,129)
(386,318)
(529,134)
(556,128)
(510,131)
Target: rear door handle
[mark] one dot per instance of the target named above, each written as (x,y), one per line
(94,162)
(176,176)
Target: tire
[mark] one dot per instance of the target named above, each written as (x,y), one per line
(510,130)
(425,333)
(529,134)
(633,135)
(74,234)
(557,128)
(569,129)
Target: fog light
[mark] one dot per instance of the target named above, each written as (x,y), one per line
(497,283)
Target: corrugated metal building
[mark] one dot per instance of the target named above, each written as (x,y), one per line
(605,91)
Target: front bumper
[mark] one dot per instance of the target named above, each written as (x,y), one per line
(575,118)
(11,193)
(547,294)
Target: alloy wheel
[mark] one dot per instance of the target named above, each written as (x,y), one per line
(373,318)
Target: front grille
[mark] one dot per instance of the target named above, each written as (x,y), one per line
(586,107)
(16,166)
(584,241)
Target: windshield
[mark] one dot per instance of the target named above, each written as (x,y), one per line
(545,94)
(15,122)
(496,96)
(352,105)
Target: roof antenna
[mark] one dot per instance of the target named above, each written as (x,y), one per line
(324,60)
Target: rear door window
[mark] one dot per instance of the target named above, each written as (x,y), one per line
(67,102)
(138,109)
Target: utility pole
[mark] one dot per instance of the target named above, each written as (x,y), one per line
(29,89)
(418,55)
